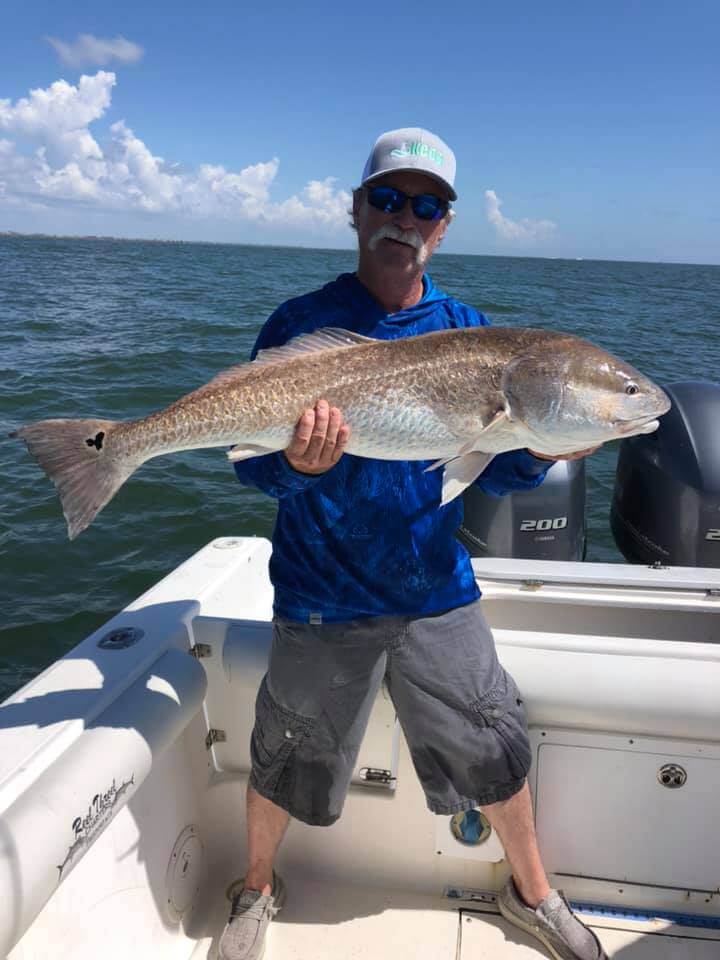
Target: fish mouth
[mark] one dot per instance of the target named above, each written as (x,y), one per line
(637,425)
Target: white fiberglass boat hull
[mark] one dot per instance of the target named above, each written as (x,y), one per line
(123,769)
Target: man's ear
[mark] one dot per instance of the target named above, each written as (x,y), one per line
(356,202)
(445,225)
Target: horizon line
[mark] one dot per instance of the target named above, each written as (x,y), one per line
(289,246)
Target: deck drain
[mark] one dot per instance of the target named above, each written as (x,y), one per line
(471,827)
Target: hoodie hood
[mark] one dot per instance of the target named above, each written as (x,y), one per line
(352,296)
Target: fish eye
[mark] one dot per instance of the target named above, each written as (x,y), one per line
(631,389)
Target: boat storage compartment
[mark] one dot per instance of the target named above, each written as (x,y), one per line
(235,660)
(627,809)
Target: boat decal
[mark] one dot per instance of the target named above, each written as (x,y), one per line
(89,825)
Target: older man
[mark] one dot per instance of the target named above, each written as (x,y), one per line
(371,583)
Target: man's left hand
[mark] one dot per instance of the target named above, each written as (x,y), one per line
(578,455)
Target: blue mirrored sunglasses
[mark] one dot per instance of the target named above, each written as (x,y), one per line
(425,206)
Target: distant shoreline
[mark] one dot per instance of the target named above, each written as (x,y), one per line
(101,236)
(18,235)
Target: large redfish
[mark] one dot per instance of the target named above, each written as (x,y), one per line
(457,397)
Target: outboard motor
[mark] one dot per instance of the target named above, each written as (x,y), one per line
(666,505)
(547,523)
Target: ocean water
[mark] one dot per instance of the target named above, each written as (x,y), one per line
(115,328)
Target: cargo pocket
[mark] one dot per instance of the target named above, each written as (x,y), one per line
(502,708)
(490,708)
(276,736)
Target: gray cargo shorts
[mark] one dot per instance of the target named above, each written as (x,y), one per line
(462,714)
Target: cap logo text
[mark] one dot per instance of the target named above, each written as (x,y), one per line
(417,149)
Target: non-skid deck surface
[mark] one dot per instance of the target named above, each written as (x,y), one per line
(490,937)
(325,921)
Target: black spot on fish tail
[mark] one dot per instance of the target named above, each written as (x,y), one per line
(96,441)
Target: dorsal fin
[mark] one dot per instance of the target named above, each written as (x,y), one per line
(327,338)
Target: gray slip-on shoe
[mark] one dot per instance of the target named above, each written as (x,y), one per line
(244,935)
(553,923)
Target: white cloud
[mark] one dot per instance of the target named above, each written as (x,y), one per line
(49,154)
(98,51)
(521,231)
(57,119)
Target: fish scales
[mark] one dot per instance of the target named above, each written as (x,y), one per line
(435,369)
(367,377)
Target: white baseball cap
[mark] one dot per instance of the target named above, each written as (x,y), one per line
(412,148)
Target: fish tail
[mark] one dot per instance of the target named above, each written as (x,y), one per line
(78,456)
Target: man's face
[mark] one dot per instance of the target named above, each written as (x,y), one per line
(412,241)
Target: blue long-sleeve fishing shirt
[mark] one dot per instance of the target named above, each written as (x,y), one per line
(367,538)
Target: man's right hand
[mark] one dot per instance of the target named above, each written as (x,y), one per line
(319,440)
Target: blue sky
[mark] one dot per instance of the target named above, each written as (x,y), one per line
(580,129)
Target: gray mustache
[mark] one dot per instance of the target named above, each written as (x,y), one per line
(391,232)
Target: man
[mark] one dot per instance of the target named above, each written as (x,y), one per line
(370,582)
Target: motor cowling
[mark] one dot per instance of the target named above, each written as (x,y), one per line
(666,503)
(546,523)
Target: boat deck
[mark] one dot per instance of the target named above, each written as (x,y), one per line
(322,921)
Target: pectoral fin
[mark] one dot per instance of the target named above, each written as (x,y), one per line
(460,473)
(476,443)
